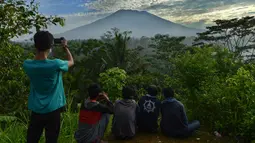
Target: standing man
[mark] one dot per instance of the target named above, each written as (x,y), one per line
(47,95)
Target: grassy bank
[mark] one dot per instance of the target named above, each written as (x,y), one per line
(16,133)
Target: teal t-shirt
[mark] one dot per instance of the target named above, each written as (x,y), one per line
(46,85)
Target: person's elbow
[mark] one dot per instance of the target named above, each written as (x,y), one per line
(111,109)
(70,63)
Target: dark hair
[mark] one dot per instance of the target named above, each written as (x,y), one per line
(94,90)
(152,90)
(128,92)
(43,40)
(168,92)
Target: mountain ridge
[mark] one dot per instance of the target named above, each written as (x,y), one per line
(141,23)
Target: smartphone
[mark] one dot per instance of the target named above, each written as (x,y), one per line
(58,40)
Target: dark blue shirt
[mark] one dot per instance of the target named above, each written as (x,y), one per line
(174,119)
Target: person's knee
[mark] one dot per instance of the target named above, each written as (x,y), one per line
(106,117)
(197,123)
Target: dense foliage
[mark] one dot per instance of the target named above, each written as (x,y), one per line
(18,17)
(216,86)
(14,83)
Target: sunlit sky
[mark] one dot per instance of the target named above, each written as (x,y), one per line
(191,13)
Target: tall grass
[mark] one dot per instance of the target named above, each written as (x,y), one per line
(16,131)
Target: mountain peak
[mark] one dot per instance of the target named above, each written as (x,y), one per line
(128,11)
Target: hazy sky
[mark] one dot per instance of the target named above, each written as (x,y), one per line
(192,13)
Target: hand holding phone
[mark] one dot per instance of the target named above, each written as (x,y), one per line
(64,43)
(103,96)
(59,41)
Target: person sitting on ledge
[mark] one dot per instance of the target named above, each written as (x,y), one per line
(149,111)
(124,121)
(94,116)
(174,121)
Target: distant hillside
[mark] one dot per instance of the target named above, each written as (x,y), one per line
(141,23)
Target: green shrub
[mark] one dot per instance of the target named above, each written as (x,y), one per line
(217,89)
(192,70)
(113,81)
(14,83)
(239,99)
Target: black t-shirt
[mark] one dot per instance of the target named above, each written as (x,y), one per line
(149,113)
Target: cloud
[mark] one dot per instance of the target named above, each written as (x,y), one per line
(187,12)
(192,13)
(181,11)
(187,16)
(113,5)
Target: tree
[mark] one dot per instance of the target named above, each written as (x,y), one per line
(118,54)
(14,83)
(91,54)
(116,45)
(165,48)
(238,35)
(18,18)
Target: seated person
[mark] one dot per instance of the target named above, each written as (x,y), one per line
(94,116)
(124,120)
(174,121)
(149,111)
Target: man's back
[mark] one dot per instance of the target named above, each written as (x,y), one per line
(149,113)
(174,119)
(46,85)
(124,122)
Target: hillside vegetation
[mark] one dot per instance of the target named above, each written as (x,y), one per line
(216,82)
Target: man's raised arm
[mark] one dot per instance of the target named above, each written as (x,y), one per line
(68,53)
